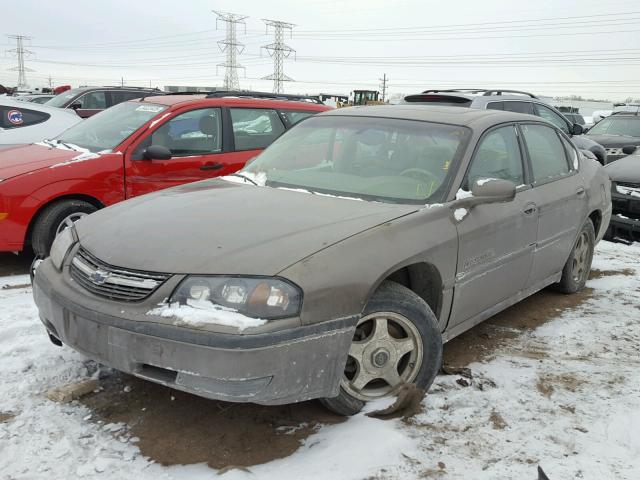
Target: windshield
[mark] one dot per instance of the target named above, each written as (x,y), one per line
(107,129)
(388,160)
(62,99)
(618,126)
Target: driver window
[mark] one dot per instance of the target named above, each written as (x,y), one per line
(498,156)
(92,101)
(196,132)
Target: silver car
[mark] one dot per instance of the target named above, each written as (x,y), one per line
(335,264)
(23,122)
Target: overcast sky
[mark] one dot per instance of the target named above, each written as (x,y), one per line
(551,47)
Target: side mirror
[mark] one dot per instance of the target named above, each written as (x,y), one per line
(629,149)
(577,129)
(488,190)
(156,152)
(75,106)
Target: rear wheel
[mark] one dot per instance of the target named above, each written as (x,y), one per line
(54,219)
(397,341)
(576,271)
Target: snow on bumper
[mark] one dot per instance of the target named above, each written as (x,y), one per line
(272,368)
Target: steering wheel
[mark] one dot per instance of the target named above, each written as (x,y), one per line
(419,172)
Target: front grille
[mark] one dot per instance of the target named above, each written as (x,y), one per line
(111,282)
(615,151)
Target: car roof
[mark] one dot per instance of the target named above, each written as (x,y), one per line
(39,107)
(172,100)
(471,117)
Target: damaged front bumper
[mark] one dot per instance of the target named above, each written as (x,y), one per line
(276,367)
(625,220)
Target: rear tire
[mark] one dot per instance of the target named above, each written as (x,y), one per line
(576,271)
(52,219)
(408,349)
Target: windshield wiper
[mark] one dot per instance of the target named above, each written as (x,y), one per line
(70,146)
(49,142)
(243,177)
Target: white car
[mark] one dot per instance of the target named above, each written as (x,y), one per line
(22,122)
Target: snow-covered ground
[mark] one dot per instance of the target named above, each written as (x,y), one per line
(565,396)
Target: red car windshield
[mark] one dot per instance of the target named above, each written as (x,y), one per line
(106,130)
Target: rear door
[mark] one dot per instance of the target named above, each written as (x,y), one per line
(559,193)
(496,241)
(196,139)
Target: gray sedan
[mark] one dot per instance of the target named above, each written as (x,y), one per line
(335,264)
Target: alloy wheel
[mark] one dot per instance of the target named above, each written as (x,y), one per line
(580,262)
(386,352)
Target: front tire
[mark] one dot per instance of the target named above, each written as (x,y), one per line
(397,341)
(576,271)
(55,218)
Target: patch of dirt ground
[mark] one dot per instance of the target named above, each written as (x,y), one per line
(174,427)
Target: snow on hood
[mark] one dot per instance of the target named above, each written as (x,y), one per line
(627,169)
(221,227)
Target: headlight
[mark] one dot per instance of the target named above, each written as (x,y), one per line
(61,246)
(266,298)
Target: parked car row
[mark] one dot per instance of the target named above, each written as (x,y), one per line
(332,265)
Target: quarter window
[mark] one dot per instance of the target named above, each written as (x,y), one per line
(546,152)
(255,129)
(553,117)
(122,96)
(498,156)
(196,132)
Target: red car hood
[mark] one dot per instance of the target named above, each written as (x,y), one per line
(23,159)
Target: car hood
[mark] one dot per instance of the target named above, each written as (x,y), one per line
(22,159)
(615,141)
(625,170)
(220,227)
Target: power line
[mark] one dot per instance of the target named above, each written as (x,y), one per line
(279,51)
(231,47)
(20,52)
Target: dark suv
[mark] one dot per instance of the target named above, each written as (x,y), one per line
(88,101)
(618,133)
(512,101)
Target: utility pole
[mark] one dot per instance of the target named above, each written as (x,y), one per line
(279,51)
(383,86)
(50,82)
(231,47)
(21,53)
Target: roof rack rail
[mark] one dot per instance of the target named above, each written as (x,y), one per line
(189,92)
(127,87)
(272,96)
(484,91)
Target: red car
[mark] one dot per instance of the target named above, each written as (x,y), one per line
(131,149)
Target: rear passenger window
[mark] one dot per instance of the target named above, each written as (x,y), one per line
(295,117)
(11,117)
(498,156)
(495,105)
(519,107)
(547,154)
(255,128)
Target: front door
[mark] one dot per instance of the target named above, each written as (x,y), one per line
(195,140)
(496,241)
(559,193)
(90,103)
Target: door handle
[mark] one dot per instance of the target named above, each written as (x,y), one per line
(530,209)
(212,166)
(580,191)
